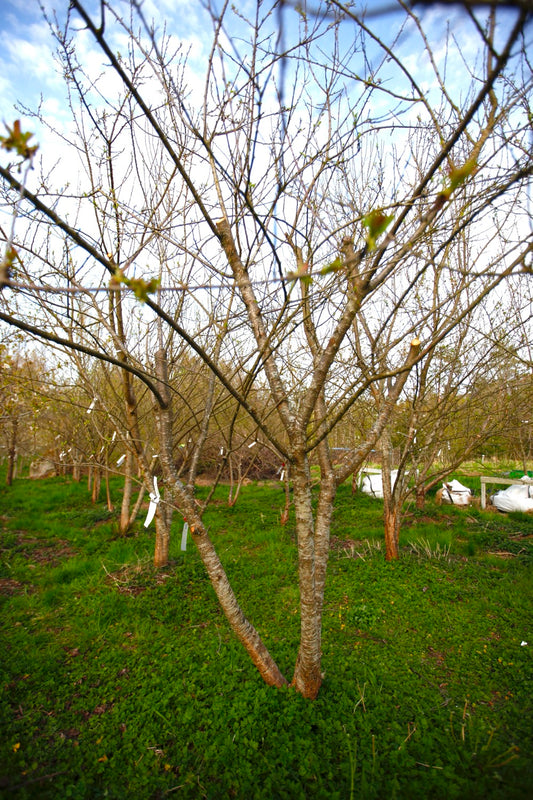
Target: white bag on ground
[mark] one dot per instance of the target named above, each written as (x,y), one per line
(373,484)
(514,498)
(455,493)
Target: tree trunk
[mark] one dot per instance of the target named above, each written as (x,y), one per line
(110,506)
(234,491)
(391,499)
(76,469)
(12,452)
(124,522)
(391,516)
(420,497)
(162,539)
(307,677)
(97,480)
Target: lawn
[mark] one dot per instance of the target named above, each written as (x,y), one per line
(120,681)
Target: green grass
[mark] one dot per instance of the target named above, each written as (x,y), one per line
(118,680)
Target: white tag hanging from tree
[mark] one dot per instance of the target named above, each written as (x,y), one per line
(154,502)
(184,535)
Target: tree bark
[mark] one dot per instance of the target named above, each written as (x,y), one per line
(307,677)
(420,495)
(97,480)
(392,517)
(162,539)
(392,499)
(12,452)
(127,492)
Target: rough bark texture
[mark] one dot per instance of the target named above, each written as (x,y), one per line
(307,677)
(420,497)
(97,481)
(162,540)
(392,499)
(126,494)
(392,532)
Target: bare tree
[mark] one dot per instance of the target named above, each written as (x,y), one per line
(300,180)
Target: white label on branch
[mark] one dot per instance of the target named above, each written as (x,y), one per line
(184,536)
(91,406)
(154,502)
(121,460)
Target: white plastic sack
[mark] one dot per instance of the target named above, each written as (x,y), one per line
(514,498)
(373,484)
(455,493)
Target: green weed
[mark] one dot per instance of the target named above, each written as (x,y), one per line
(119,679)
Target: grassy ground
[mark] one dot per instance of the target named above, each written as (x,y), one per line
(119,681)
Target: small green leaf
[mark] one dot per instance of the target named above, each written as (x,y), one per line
(377,223)
(301,275)
(334,266)
(458,175)
(140,288)
(18,140)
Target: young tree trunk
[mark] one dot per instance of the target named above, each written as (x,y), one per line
(76,468)
(162,539)
(97,481)
(392,518)
(420,495)
(392,499)
(127,492)
(110,506)
(307,677)
(12,452)
(234,491)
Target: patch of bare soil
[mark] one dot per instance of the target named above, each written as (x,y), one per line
(43,552)
(135,579)
(353,548)
(9,587)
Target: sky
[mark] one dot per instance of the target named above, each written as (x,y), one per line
(31,76)
(29,72)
